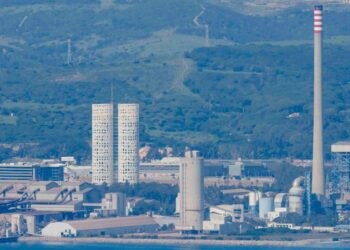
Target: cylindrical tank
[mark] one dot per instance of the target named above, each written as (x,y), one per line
(191,188)
(266,204)
(252,199)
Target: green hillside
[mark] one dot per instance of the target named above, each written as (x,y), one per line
(229,99)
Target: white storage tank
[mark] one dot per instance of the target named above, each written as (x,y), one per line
(266,204)
(254,201)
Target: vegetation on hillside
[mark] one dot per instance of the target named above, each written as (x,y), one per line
(227,100)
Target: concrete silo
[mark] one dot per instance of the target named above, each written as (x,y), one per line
(191,192)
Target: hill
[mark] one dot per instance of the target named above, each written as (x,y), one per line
(231,98)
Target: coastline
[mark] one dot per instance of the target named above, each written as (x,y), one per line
(96,240)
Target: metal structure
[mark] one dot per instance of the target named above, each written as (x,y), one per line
(191,192)
(339,179)
(318,179)
(307,194)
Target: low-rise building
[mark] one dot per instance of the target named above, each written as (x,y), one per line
(226,219)
(31,172)
(101,227)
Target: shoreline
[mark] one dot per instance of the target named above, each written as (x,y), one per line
(97,240)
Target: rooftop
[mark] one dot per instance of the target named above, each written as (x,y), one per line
(341,147)
(236,191)
(116,222)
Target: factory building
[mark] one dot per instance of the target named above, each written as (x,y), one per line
(31,172)
(70,198)
(128,143)
(226,219)
(240,169)
(167,170)
(235,211)
(113,204)
(101,227)
(191,192)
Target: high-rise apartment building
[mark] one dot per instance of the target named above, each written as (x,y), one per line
(102,144)
(115,143)
(128,143)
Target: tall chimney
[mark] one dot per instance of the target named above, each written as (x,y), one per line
(318,180)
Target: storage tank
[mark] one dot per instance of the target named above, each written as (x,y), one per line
(266,204)
(191,189)
(296,196)
(253,201)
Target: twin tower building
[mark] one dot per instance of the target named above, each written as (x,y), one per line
(115,143)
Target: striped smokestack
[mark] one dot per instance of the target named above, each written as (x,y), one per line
(318,180)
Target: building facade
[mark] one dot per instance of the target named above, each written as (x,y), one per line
(128,143)
(31,172)
(115,143)
(103,144)
(101,227)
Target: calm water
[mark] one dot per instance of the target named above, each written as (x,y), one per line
(65,246)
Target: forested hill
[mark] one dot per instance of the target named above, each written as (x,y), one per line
(246,91)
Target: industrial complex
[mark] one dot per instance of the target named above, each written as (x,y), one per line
(59,198)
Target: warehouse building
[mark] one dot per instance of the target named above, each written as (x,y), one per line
(101,227)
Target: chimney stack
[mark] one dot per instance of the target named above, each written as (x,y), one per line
(318,179)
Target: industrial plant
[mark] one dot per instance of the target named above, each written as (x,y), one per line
(121,195)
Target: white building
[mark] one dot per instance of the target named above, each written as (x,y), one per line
(235,211)
(102,144)
(101,227)
(191,192)
(115,143)
(128,143)
(226,219)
